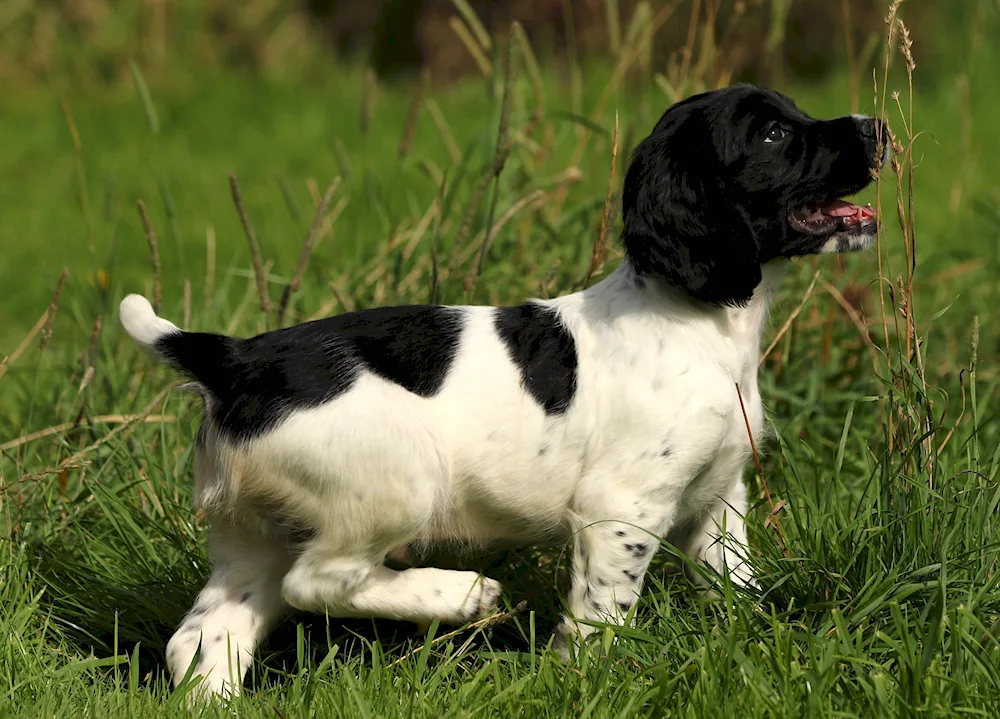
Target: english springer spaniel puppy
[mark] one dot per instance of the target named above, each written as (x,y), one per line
(609,417)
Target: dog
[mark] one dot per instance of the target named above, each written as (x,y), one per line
(613,416)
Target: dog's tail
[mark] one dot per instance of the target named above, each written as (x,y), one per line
(213,360)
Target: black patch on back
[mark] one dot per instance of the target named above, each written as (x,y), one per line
(543,350)
(257,382)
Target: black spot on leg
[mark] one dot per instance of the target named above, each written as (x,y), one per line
(438,593)
(543,450)
(633,577)
(666,451)
(637,550)
(217,639)
(621,533)
(246,596)
(624,606)
(596,606)
(200,611)
(601,582)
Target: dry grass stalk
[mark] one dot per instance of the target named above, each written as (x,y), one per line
(627,60)
(50,315)
(475,24)
(532,199)
(327,307)
(380,265)
(416,103)
(255,253)
(28,339)
(209,265)
(129,422)
(773,518)
(100,419)
(478,56)
(154,253)
(484,623)
(343,297)
(186,316)
(89,357)
(708,47)
(791,318)
(312,239)
(499,161)
(913,417)
(688,50)
(959,270)
(434,288)
(313,191)
(534,77)
(855,318)
(599,255)
(241,308)
(444,130)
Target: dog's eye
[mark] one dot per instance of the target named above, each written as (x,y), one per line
(775,133)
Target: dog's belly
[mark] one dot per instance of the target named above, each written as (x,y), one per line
(517,487)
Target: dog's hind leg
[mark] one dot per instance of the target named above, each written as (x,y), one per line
(360,586)
(237,607)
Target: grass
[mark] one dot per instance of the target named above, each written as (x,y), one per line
(887,601)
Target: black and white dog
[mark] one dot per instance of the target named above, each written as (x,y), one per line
(609,416)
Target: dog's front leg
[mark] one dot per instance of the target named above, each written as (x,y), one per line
(610,559)
(719,538)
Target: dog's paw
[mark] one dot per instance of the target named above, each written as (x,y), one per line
(482,599)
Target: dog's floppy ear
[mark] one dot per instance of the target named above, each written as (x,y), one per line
(679,224)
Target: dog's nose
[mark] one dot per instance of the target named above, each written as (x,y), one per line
(873,131)
(871,127)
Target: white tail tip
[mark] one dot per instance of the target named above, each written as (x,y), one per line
(141,323)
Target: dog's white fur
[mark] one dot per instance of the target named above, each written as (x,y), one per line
(378,467)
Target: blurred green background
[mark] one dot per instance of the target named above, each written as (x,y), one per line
(286,94)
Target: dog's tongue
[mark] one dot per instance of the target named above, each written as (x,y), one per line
(839,208)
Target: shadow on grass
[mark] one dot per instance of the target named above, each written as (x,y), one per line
(104,602)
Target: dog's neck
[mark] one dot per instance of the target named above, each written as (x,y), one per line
(750,320)
(744,325)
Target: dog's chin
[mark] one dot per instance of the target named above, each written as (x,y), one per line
(834,226)
(849,241)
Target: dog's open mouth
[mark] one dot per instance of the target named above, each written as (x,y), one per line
(833,217)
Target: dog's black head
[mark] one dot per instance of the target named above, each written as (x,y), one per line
(732,178)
